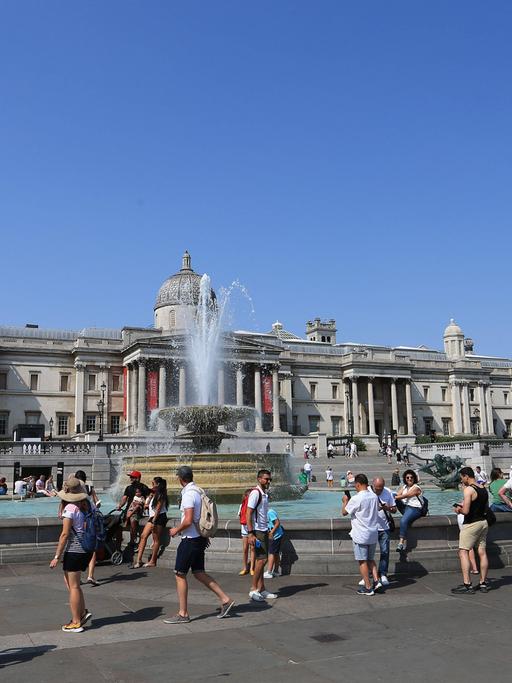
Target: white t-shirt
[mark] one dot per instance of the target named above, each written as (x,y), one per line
(20,487)
(388,498)
(190,498)
(508,485)
(308,467)
(259,519)
(329,476)
(413,501)
(363,509)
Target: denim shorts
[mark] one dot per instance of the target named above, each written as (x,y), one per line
(364,551)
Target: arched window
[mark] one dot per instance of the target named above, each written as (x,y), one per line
(172,318)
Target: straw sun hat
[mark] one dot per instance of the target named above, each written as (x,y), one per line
(72,491)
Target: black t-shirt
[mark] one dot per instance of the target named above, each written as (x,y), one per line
(130,490)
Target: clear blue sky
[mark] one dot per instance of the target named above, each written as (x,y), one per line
(346,160)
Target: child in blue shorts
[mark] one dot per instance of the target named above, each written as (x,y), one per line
(275,536)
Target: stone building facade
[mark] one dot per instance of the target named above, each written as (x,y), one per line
(297,386)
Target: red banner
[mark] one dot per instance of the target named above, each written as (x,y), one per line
(152,390)
(266,382)
(125,375)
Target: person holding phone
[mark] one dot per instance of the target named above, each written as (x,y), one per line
(408,502)
(363,509)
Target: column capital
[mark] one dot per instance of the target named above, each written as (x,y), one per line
(80,365)
(483,383)
(142,360)
(370,378)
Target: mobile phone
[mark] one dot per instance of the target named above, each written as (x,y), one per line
(456,505)
(347,493)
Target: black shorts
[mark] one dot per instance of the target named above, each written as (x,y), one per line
(274,546)
(76,562)
(190,555)
(161,520)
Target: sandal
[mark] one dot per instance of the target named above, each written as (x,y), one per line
(149,564)
(136,565)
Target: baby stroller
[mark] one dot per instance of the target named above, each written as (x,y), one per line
(110,549)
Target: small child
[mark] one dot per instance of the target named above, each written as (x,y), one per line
(137,504)
(275,536)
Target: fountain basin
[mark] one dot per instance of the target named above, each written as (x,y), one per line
(225,476)
(202,422)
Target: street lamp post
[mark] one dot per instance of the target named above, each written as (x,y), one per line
(101,407)
(349,414)
(50,424)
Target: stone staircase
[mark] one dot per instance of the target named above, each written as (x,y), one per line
(370,463)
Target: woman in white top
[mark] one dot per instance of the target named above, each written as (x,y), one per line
(157,504)
(50,486)
(409,502)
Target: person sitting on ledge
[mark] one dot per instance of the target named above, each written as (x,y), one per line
(3,486)
(498,482)
(408,502)
(505,492)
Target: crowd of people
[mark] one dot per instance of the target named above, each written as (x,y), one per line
(370,507)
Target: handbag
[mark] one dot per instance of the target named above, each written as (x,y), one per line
(389,518)
(424,505)
(490,516)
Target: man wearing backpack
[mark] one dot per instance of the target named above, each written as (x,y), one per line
(190,553)
(257,530)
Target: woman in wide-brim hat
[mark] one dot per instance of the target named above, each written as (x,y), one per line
(74,558)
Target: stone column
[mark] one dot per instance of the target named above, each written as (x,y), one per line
(394,407)
(257,399)
(355,406)
(132,370)
(483,412)
(465,407)
(239,395)
(275,400)
(488,405)
(221,397)
(162,386)
(456,408)
(182,385)
(79,395)
(408,407)
(141,403)
(371,408)
(288,398)
(127,389)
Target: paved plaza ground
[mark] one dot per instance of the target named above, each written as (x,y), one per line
(318,630)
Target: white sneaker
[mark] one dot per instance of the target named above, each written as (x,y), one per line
(384,580)
(361,583)
(256,596)
(268,575)
(266,595)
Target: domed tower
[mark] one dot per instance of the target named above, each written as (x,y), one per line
(177,298)
(454,341)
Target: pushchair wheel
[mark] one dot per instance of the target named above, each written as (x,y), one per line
(116,558)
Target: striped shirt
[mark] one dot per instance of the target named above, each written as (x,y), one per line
(77,517)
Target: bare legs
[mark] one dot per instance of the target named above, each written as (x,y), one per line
(142,542)
(76,597)
(365,567)
(257,580)
(206,580)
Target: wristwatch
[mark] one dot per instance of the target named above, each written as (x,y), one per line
(252,532)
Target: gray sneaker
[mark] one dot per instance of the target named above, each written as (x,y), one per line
(225,609)
(177,619)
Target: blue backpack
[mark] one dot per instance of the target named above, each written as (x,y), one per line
(94,530)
